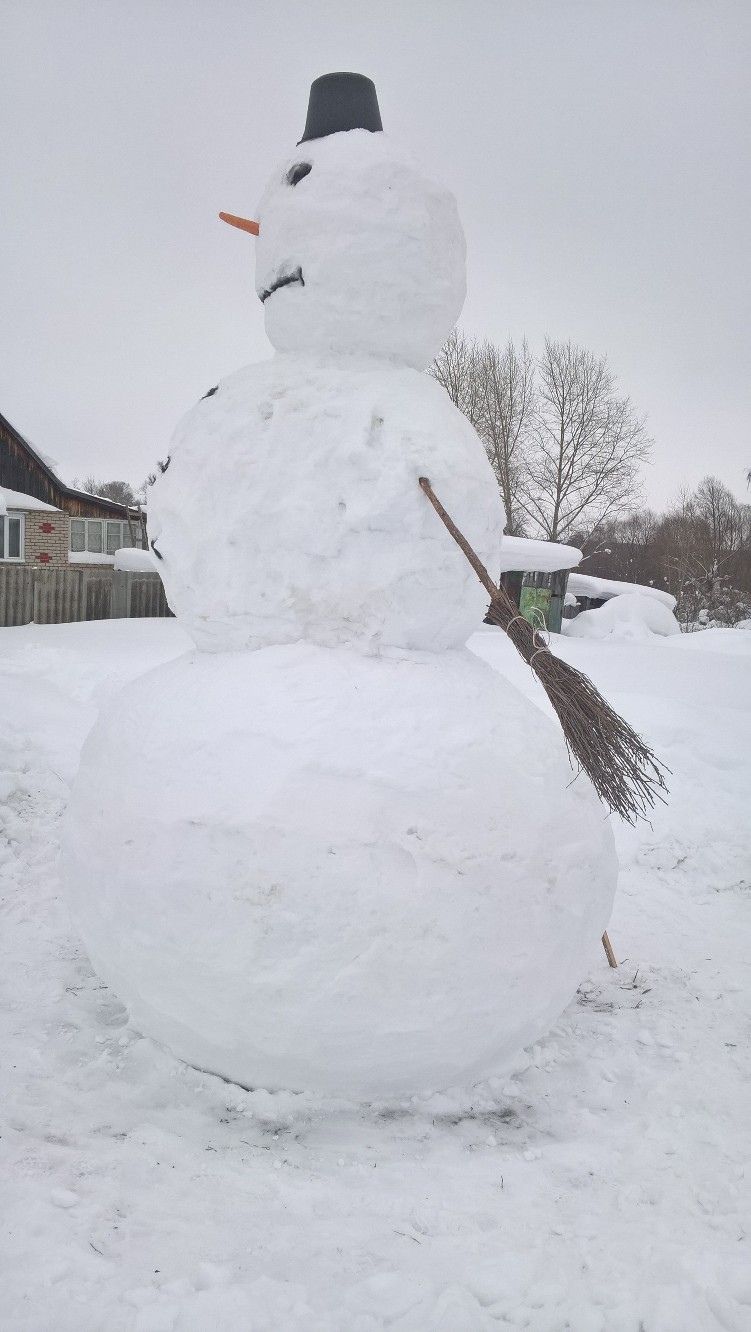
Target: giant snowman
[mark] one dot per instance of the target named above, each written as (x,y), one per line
(330,848)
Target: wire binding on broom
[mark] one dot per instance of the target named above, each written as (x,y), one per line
(622,769)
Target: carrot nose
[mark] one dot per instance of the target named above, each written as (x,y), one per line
(243,223)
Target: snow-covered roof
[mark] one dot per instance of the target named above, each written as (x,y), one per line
(602,589)
(15,499)
(523,555)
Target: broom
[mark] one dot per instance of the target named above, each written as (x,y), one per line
(622,769)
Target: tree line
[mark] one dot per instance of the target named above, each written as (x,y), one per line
(567,450)
(700,550)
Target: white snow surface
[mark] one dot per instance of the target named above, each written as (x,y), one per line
(324,878)
(603,1185)
(631,615)
(528,556)
(90,557)
(291,509)
(132,560)
(16,499)
(586,585)
(379,248)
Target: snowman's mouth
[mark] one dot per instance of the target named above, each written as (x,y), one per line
(286,280)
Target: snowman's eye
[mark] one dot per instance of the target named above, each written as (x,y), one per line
(298,172)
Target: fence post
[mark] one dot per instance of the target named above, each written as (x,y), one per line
(120,594)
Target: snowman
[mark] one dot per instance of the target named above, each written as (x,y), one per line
(330,849)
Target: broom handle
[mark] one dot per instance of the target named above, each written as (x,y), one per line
(495,593)
(460,540)
(502,603)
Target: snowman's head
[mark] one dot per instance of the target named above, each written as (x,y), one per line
(358,252)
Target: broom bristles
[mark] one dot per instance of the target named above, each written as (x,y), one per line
(622,768)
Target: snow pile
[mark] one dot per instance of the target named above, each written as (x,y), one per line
(629,616)
(321,529)
(526,556)
(324,877)
(16,499)
(90,557)
(132,560)
(378,247)
(602,589)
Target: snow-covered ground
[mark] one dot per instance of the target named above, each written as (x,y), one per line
(604,1187)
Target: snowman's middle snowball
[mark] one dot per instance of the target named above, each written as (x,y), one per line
(319,530)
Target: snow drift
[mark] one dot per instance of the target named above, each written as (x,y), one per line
(629,616)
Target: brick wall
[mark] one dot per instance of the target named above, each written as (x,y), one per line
(47,541)
(46,538)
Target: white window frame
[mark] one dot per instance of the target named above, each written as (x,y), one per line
(13,559)
(102,523)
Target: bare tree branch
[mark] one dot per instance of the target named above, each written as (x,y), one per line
(587,445)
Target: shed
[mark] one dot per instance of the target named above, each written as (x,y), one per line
(535,575)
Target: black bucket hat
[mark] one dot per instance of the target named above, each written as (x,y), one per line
(341,102)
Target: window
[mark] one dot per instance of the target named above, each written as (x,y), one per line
(77,534)
(100,536)
(11,537)
(114,537)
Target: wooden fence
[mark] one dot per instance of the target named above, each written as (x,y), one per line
(61,596)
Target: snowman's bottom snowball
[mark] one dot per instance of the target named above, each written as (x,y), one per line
(305,868)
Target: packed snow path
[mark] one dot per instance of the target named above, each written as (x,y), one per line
(599,1189)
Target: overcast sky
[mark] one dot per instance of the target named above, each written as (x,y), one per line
(599,152)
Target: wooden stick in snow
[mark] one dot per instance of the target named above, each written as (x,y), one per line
(612,960)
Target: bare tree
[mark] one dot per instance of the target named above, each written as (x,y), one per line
(588,444)
(494,388)
(717,533)
(722,519)
(119,491)
(700,550)
(455,368)
(505,391)
(703,548)
(622,548)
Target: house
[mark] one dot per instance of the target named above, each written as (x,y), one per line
(535,575)
(44,522)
